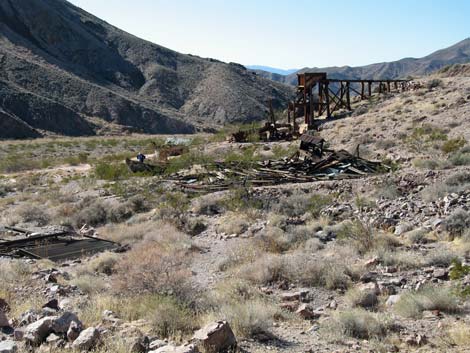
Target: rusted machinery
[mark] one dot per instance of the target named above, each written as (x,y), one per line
(316,93)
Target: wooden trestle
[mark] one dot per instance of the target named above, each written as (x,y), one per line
(316,93)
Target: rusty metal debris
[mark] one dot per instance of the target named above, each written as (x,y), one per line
(63,245)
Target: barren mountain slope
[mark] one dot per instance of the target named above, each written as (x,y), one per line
(456,54)
(82,68)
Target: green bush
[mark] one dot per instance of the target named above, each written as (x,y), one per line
(453,145)
(111,171)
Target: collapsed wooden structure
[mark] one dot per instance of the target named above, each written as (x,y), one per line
(312,162)
(320,95)
(55,246)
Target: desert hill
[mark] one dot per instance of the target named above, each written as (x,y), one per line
(456,54)
(64,71)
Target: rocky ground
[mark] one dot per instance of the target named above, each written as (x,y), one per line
(373,264)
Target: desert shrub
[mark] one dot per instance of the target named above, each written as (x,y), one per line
(241,199)
(128,233)
(267,269)
(435,82)
(458,270)
(274,239)
(91,212)
(356,323)
(359,298)
(299,203)
(89,284)
(30,213)
(104,263)
(385,144)
(453,145)
(460,158)
(458,334)
(233,223)
(402,259)
(432,164)
(417,236)
(440,258)
(357,233)
(248,318)
(169,317)
(111,171)
(457,222)
(413,303)
(387,190)
(4,190)
(458,179)
(157,265)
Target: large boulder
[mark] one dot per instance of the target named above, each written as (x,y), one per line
(215,337)
(87,339)
(37,332)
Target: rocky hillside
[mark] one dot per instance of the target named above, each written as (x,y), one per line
(64,71)
(456,54)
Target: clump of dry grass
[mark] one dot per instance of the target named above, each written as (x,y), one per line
(356,323)
(248,312)
(413,303)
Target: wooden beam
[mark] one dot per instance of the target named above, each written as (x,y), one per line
(348,96)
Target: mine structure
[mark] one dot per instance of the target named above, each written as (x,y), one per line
(316,93)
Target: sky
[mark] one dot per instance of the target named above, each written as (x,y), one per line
(290,34)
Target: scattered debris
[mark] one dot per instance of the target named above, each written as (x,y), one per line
(54,246)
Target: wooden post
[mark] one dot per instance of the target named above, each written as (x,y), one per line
(362,90)
(396,86)
(388,86)
(380,87)
(320,98)
(348,96)
(327,98)
(370,88)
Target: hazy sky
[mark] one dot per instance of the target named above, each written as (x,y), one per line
(292,34)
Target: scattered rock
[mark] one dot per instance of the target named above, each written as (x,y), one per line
(4,319)
(74,331)
(87,339)
(215,337)
(8,347)
(440,273)
(37,332)
(52,304)
(189,348)
(157,344)
(416,340)
(306,312)
(62,323)
(392,300)
(293,296)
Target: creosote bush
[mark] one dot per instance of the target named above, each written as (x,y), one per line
(157,265)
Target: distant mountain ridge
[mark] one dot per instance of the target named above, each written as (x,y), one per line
(271,69)
(64,71)
(455,54)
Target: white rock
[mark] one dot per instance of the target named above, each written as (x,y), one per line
(8,347)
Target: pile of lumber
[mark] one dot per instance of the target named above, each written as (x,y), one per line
(334,165)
